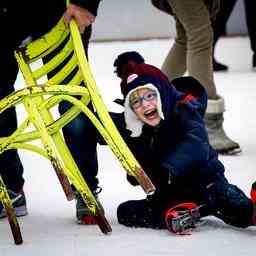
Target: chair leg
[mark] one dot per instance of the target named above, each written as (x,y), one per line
(40,119)
(75,176)
(6,201)
(62,179)
(99,213)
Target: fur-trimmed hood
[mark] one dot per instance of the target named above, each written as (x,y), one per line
(184,90)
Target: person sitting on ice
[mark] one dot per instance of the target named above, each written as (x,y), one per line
(168,137)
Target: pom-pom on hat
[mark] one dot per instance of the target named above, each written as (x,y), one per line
(129,63)
(124,58)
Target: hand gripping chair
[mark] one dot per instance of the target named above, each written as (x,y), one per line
(73,83)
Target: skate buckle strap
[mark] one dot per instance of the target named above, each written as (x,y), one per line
(183,217)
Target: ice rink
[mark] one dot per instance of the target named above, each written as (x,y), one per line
(50,227)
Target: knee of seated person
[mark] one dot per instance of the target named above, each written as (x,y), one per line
(231,204)
(242,213)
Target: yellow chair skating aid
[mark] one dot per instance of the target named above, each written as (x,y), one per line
(69,79)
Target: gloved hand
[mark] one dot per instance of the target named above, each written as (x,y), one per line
(132,180)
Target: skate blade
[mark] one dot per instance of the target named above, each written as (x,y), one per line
(187,232)
(231,152)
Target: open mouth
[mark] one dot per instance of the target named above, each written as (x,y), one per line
(150,113)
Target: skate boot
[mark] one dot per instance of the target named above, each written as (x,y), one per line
(83,215)
(18,203)
(214,124)
(217,66)
(182,218)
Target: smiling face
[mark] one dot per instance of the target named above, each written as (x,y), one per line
(144,104)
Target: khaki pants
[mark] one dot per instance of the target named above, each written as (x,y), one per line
(192,49)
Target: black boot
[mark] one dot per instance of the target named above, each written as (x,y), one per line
(218,66)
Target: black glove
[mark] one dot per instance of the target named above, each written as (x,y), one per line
(132,180)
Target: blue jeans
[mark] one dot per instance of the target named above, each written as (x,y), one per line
(82,146)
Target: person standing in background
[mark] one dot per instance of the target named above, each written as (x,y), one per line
(23,19)
(192,52)
(219,28)
(250,8)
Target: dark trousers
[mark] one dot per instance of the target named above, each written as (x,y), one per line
(82,146)
(219,24)
(221,199)
(11,168)
(10,165)
(226,8)
(250,8)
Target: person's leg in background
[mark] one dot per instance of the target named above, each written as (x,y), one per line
(175,63)
(199,38)
(219,28)
(80,136)
(82,148)
(78,142)
(11,168)
(250,8)
(198,35)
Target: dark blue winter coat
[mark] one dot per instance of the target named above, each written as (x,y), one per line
(178,150)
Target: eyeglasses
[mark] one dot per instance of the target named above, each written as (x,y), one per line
(136,101)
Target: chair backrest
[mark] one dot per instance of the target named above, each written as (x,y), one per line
(64,64)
